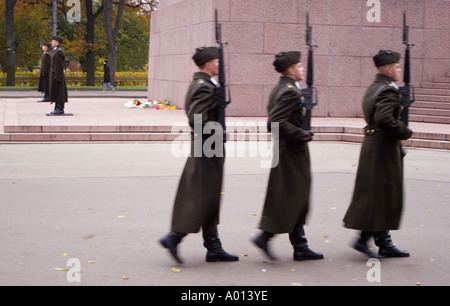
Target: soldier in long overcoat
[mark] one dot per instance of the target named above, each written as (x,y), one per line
(377,201)
(58,86)
(288,192)
(197,203)
(44,75)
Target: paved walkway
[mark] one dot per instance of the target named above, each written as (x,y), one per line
(106,204)
(103,117)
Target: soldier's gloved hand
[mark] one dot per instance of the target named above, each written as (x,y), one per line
(58,81)
(307,136)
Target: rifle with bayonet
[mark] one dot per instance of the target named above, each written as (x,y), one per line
(220,93)
(406,91)
(309,94)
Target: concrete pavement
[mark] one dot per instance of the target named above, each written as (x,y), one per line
(106,205)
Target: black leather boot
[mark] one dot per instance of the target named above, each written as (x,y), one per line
(386,246)
(213,244)
(361,244)
(170,242)
(300,244)
(262,242)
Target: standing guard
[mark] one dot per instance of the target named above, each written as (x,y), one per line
(58,86)
(44,75)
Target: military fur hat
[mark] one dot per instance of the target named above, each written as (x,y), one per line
(384,57)
(58,39)
(285,59)
(205,54)
(48,45)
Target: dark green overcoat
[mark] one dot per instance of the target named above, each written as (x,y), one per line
(58,86)
(378,195)
(197,202)
(288,191)
(44,75)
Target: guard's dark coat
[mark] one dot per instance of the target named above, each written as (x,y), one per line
(197,202)
(44,76)
(378,196)
(288,191)
(58,90)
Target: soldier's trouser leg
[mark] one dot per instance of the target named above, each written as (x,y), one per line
(386,246)
(213,244)
(300,244)
(171,241)
(262,242)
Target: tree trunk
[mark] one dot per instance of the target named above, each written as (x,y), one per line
(90,40)
(11,44)
(111,34)
(90,36)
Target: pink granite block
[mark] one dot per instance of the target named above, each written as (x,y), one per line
(319,12)
(321,110)
(348,65)
(284,11)
(252,69)
(246,99)
(344,101)
(345,40)
(282,37)
(345,12)
(374,39)
(321,70)
(199,11)
(5,137)
(223,9)
(41,137)
(437,14)
(352,138)
(437,42)
(243,37)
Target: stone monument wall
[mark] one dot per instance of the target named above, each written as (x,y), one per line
(347,33)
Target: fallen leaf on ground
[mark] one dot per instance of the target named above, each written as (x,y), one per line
(176,270)
(61,269)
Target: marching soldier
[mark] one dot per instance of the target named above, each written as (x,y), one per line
(44,76)
(377,201)
(288,192)
(197,202)
(58,86)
